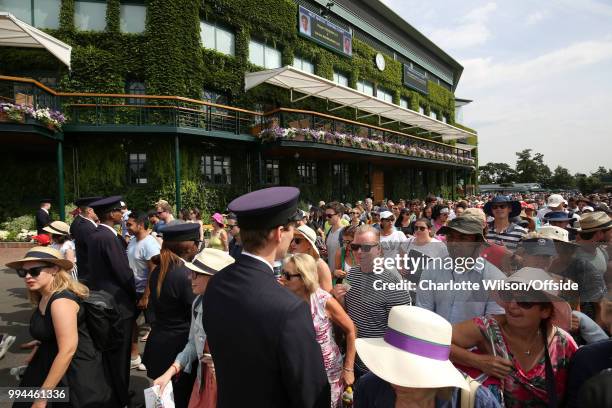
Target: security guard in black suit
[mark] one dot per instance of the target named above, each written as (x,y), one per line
(81,229)
(260,334)
(42,215)
(109,270)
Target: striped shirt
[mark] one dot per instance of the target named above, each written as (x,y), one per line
(369,308)
(510,237)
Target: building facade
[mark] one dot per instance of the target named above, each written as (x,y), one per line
(158,103)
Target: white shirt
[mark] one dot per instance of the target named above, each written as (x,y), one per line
(110,228)
(89,219)
(259,258)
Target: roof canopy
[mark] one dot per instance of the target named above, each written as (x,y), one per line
(312,85)
(16,33)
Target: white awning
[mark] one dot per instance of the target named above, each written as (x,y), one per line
(16,33)
(312,85)
(464,146)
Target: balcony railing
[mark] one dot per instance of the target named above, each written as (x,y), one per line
(92,109)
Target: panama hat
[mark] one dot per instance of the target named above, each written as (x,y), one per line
(595,221)
(500,199)
(210,261)
(42,254)
(414,351)
(530,276)
(310,235)
(57,228)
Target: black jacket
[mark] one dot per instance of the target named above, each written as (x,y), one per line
(109,269)
(81,230)
(42,220)
(262,340)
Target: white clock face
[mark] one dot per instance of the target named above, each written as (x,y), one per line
(380,62)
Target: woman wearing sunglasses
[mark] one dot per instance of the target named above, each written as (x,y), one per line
(66,351)
(523,355)
(345,258)
(304,242)
(300,276)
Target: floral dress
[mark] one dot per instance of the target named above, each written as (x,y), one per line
(528,389)
(332,358)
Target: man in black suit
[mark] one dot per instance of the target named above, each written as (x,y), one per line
(81,229)
(109,270)
(260,334)
(42,215)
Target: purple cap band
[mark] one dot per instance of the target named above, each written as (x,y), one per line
(417,346)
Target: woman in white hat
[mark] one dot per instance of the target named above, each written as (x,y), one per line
(409,366)
(61,240)
(204,265)
(527,350)
(299,275)
(304,242)
(66,355)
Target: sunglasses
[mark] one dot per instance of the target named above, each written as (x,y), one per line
(228,226)
(347,242)
(419,228)
(364,247)
(508,297)
(297,241)
(498,206)
(288,276)
(329,215)
(34,272)
(356,213)
(387,219)
(160,212)
(394,208)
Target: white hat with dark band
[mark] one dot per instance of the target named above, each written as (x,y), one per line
(210,261)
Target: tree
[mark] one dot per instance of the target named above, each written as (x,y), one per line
(562,179)
(532,170)
(496,173)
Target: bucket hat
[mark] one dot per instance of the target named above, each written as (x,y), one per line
(469,224)
(210,261)
(414,350)
(42,254)
(57,228)
(515,205)
(555,200)
(595,221)
(557,216)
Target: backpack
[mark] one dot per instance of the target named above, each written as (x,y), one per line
(103,320)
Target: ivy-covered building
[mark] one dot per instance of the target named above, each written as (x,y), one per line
(198,101)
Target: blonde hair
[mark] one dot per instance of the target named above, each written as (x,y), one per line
(306,266)
(62,280)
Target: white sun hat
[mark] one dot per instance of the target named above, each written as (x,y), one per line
(414,351)
(555,200)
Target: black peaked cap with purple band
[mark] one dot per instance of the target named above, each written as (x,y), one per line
(188,231)
(86,201)
(106,204)
(267,208)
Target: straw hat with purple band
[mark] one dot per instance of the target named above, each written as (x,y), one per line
(500,199)
(266,208)
(595,221)
(414,351)
(562,311)
(57,228)
(42,254)
(210,261)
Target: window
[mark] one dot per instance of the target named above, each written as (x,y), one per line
(404,103)
(340,79)
(216,169)
(444,119)
(46,12)
(264,55)
(384,95)
(217,38)
(307,171)
(433,115)
(421,110)
(303,64)
(138,168)
(340,175)
(365,87)
(135,88)
(271,172)
(90,15)
(132,18)
(214,97)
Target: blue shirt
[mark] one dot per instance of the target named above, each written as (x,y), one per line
(194,349)
(459,305)
(139,253)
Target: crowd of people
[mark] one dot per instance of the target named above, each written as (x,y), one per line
(489,301)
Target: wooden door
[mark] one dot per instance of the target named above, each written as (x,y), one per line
(378,184)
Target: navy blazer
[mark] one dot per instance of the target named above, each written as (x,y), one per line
(42,220)
(262,340)
(81,230)
(109,269)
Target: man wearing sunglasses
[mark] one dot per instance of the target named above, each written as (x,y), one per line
(502,230)
(233,230)
(260,334)
(164,213)
(368,299)
(333,236)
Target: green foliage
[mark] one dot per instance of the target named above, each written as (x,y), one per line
(562,179)
(15,226)
(497,173)
(531,170)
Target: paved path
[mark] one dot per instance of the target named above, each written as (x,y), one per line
(15,312)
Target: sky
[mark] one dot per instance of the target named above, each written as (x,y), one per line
(539,73)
